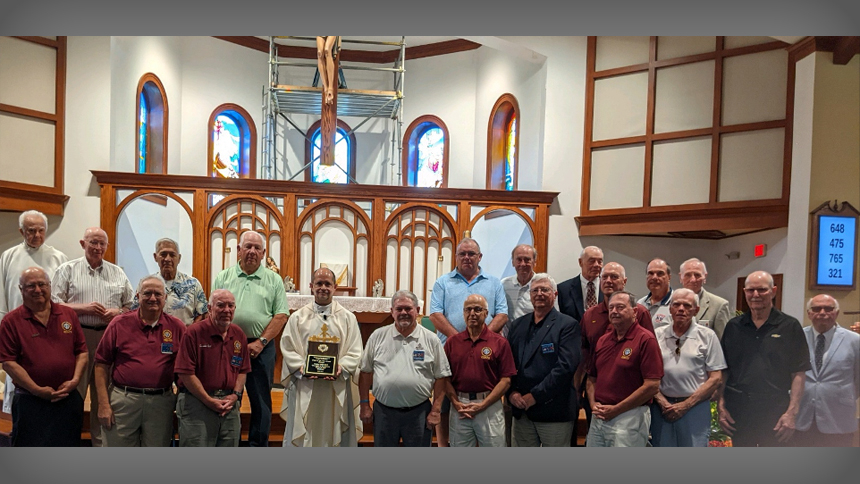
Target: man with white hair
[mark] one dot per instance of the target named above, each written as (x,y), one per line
(97,291)
(32,252)
(185,297)
(545,346)
(577,295)
(767,357)
(261,313)
(692,364)
(827,416)
(714,311)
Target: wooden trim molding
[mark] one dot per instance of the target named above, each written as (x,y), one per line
(844,48)
(409,156)
(248,143)
(19,197)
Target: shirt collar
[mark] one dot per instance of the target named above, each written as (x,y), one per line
(455,274)
(482,336)
(144,324)
(241,273)
(827,334)
(663,302)
(29,314)
(631,332)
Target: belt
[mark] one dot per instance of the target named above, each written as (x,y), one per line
(473,395)
(21,391)
(144,391)
(95,328)
(675,399)
(214,393)
(403,409)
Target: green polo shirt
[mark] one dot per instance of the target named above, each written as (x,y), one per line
(259,297)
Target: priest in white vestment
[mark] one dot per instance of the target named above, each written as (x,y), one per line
(321,411)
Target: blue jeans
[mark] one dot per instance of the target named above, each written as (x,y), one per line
(258,386)
(691,430)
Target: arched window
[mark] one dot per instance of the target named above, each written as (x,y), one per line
(344,155)
(502,144)
(151,125)
(425,159)
(232,143)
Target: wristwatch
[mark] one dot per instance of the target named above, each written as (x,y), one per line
(238,394)
(263,341)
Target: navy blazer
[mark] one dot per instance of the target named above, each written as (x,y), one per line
(571,300)
(545,366)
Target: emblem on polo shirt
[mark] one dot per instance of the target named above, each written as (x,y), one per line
(486,352)
(659,318)
(67,327)
(774,335)
(625,354)
(237,347)
(167,335)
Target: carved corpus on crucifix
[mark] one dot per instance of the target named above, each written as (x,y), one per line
(328,48)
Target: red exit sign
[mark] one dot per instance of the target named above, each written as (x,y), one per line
(761,250)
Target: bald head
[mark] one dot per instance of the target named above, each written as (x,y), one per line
(94,243)
(35,287)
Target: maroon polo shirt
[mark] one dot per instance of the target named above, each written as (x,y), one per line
(214,360)
(477,366)
(595,323)
(142,355)
(621,367)
(47,353)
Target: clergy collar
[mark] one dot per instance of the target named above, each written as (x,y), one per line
(323,310)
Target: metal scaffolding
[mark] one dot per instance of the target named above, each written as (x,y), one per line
(283,100)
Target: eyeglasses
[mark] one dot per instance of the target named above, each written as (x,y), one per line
(96,243)
(753,290)
(34,285)
(818,309)
(467,254)
(678,347)
(474,309)
(149,294)
(541,290)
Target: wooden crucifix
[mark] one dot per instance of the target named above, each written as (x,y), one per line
(328,48)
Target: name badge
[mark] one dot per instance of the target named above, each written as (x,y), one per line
(547,348)
(418,355)
(236,360)
(167,348)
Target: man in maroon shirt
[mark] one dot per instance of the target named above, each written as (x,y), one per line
(137,409)
(42,347)
(212,365)
(481,369)
(624,376)
(595,323)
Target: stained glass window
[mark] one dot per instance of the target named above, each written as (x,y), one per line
(141,130)
(431,163)
(335,173)
(226,143)
(511,153)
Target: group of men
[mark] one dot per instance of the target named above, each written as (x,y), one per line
(511,361)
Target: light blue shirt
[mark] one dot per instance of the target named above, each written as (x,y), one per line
(451,290)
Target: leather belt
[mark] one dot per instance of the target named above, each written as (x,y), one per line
(144,391)
(675,399)
(473,395)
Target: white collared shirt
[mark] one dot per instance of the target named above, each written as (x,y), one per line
(76,282)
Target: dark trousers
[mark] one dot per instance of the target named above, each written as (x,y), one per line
(39,423)
(392,424)
(258,387)
(582,398)
(755,416)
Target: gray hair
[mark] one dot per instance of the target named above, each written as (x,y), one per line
(404,294)
(167,241)
(242,238)
(690,261)
(682,291)
(543,276)
(534,251)
(809,303)
(631,297)
(623,271)
(592,247)
(150,278)
(217,292)
(467,239)
(29,213)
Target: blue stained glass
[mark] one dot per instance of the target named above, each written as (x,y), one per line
(330,174)
(226,142)
(431,149)
(510,154)
(141,129)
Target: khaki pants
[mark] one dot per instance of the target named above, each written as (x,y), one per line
(487,428)
(88,383)
(199,426)
(141,420)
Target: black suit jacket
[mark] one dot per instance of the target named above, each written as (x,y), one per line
(571,300)
(545,366)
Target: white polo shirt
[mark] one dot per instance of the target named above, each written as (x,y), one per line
(700,353)
(404,368)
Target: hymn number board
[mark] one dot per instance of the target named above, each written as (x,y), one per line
(833,259)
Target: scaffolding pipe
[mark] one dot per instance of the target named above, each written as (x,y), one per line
(356,68)
(351,41)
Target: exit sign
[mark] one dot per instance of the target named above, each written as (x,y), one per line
(761,250)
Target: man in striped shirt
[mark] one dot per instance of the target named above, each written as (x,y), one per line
(97,291)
